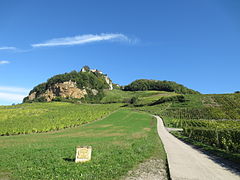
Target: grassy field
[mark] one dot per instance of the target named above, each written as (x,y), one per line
(120,141)
(43,117)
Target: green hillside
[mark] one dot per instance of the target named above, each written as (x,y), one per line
(211,120)
(143,97)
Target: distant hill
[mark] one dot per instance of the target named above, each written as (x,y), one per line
(169,86)
(87,84)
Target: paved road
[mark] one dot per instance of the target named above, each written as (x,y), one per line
(187,163)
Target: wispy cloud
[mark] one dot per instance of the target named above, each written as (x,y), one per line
(83,39)
(12,94)
(8,48)
(4,62)
(14,89)
(11,97)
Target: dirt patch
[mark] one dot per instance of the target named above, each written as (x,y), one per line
(5,176)
(139,135)
(112,134)
(100,126)
(147,129)
(153,169)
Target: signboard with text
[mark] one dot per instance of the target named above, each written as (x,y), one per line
(83,154)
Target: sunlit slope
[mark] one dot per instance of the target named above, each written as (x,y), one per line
(43,117)
(212,119)
(142,97)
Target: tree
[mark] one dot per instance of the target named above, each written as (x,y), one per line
(86,68)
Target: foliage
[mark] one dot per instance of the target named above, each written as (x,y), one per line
(39,89)
(88,80)
(119,143)
(42,117)
(93,80)
(169,86)
(223,134)
(227,139)
(86,68)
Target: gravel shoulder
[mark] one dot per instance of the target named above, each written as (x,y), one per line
(187,163)
(152,169)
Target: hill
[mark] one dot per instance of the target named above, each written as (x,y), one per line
(87,84)
(169,86)
(91,85)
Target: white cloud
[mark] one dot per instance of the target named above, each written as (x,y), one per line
(83,39)
(4,62)
(13,89)
(11,97)
(8,48)
(10,94)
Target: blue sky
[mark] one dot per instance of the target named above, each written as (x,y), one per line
(195,43)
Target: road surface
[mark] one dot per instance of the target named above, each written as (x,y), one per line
(187,163)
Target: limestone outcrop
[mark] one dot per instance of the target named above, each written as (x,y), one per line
(66,89)
(87,83)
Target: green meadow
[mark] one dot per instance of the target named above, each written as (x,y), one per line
(120,141)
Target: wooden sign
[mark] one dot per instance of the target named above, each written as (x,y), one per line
(83,154)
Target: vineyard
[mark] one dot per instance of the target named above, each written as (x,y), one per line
(43,117)
(210,119)
(144,97)
(206,107)
(223,134)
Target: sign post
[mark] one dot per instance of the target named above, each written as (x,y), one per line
(83,154)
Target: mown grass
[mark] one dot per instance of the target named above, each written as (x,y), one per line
(43,117)
(120,141)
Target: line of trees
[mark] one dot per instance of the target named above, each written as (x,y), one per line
(170,86)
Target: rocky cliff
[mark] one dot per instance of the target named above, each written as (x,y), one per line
(66,89)
(74,85)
